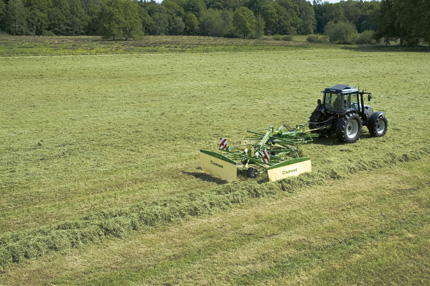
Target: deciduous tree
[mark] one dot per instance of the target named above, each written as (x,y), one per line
(191,24)
(120,19)
(244,21)
(16,22)
(341,32)
(38,15)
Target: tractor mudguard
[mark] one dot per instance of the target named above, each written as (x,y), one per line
(346,111)
(375,115)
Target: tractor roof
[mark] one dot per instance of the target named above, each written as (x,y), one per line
(341,89)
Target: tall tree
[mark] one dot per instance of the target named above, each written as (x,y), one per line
(78,18)
(176,26)
(191,24)
(38,15)
(16,22)
(370,17)
(92,10)
(307,17)
(197,7)
(161,24)
(217,23)
(407,20)
(291,20)
(244,21)
(2,9)
(259,27)
(147,21)
(271,13)
(325,13)
(120,19)
(59,17)
(425,21)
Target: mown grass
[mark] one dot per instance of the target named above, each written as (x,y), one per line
(102,134)
(346,231)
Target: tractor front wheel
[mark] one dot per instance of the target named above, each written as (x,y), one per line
(348,128)
(378,126)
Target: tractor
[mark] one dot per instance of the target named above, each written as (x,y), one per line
(343,112)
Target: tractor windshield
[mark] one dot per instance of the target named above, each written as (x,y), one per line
(333,102)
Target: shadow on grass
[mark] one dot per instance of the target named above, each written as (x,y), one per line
(205,177)
(332,140)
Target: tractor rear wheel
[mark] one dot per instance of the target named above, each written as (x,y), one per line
(348,128)
(315,118)
(378,126)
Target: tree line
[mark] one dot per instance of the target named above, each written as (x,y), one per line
(407,20)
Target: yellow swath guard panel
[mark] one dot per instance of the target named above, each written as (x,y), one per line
(218,165)
(293,167)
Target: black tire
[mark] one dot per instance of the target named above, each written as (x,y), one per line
(252,173)
(378,126)
(316,117)
(348,128)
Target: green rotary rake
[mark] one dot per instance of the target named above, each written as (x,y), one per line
(273,150)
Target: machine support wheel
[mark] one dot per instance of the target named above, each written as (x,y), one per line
(348,128)
(378,125)
(252,173)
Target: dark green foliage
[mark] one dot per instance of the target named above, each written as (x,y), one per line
(341,32)
(37,17)
(317,39)
(222,4)
(120,19)
(78,19)
(2,13)
(19,246)
(306,14)
(259,27)
(197,7)
(407,20)
(217,23)
(161,24)
(367,37)
(67,18)
(244,21)
(147,22)
(191,24)
(15,18)
(176,26)
(326,12)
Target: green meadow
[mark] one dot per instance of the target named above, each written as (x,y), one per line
(100,182)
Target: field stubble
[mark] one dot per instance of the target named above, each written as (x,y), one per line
(84,134)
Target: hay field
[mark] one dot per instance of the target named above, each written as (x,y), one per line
(99,147)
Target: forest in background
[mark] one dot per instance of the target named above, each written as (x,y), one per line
(405,20)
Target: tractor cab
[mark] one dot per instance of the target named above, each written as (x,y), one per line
(341,99)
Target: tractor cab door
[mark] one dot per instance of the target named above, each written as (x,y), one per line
(353,101)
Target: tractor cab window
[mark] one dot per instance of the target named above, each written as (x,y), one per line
(333,102)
